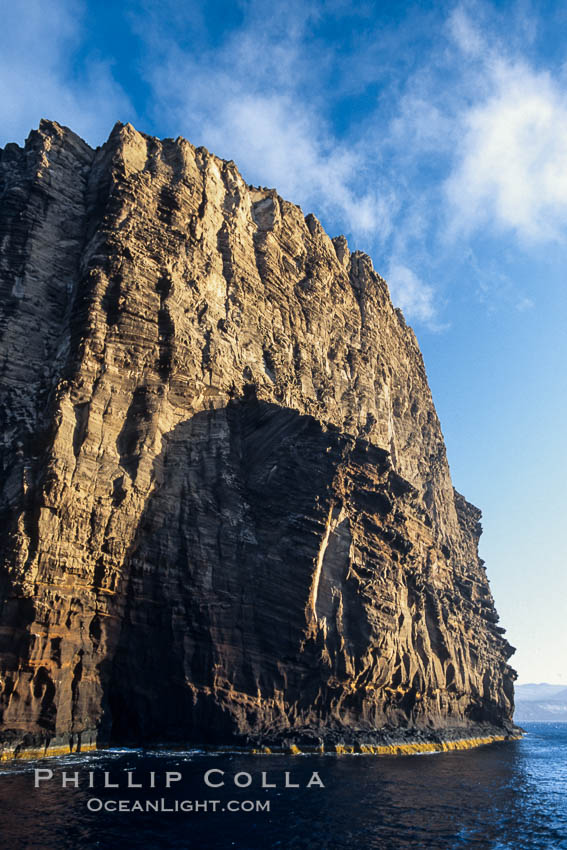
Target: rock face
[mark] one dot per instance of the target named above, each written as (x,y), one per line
(226,507)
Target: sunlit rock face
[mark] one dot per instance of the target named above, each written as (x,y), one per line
(226,508)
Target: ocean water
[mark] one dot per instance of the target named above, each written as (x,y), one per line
(506,796)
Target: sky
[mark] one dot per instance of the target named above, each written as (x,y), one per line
(434,136)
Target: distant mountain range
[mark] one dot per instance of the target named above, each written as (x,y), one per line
(541,703)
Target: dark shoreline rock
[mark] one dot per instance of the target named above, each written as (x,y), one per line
(379,742)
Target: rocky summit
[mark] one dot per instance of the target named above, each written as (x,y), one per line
(227,515)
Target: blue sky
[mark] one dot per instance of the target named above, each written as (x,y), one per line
(434,135)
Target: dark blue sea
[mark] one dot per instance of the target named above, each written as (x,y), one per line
(506,796)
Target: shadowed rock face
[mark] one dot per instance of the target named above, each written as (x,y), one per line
(227,512)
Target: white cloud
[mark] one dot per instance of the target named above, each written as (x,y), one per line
(256,99)
(38,46)
(412,295)
(273,140)
(511,163)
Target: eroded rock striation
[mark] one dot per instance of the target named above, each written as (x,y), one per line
(227,514)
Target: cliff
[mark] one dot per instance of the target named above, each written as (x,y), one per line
(226,507)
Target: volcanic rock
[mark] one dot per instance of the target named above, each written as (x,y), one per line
(226,507)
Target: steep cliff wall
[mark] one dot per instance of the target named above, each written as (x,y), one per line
(226,507)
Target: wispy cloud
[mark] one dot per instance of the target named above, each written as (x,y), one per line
(413,295)
(465,34)
(256,99)
(275,142)
(483,157)
(38,47)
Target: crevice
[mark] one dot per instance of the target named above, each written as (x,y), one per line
(134,430)
(166,328)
